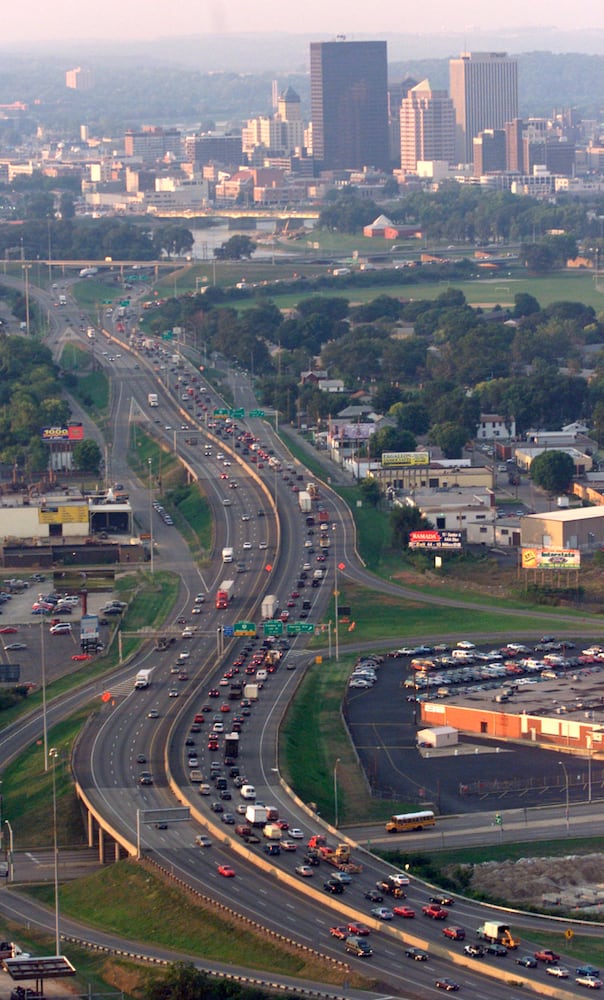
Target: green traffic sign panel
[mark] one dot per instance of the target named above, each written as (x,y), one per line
(244,628)
(256,413)
(295,628)
(237,414)
(221,413)
(273,628)
(125,302)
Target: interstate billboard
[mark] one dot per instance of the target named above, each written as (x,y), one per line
(551,558)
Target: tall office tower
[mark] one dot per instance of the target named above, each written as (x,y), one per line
(484,89)
(427,126)
(79,79)
(349,108)
(514,147)
(397,91)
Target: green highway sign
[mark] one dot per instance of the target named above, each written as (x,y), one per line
(221,413)
(273,628)
(238,414)
(125,302)
(244,628)
(295,628)
(256,413)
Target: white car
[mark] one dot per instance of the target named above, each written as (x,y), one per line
(200,598)
(359,682)
(218,727)
(557,970)
(60,627)
(173,693)
(296,834)
(466,644)
(262,545)
(187,633)
(247,545)
(245,517)
(399,878)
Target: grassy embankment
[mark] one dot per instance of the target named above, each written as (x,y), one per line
(135,902)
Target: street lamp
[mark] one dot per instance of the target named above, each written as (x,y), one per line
(567,815)
(335,791)
(11,862)
(151,514)
(53,753)
(336,592)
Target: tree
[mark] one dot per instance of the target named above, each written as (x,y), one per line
(371,491)
(87,456)
(525,305)
(451,438)
(235,248)
(391,439)
(403,520)
(173,240)
(552,471)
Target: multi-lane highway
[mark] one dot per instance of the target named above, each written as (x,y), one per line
(107,763)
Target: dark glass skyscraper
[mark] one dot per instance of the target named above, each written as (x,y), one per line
(349,104)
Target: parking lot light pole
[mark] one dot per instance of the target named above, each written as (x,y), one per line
(335,792)
(567,812)
(54,754)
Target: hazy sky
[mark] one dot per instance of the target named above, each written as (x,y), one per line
(139,19)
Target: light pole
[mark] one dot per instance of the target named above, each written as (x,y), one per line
(11,863)
(43,678)
(54,754)
(336,592)
(151,514)
(335,792)
(567,813)
(26,269)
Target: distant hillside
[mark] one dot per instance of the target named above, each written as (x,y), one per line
(161,83)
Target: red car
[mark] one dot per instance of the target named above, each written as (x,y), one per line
(77,657)
(360,930)
(403,911)
(282,824)
(8,630)
(213,693)
(547,955)
(226,871)
(455,933)
(339,932)
(225,707)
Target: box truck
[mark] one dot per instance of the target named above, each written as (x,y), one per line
(227,554)
(270,606)
(224,594)
(305,502)
(256,815)
(143,679)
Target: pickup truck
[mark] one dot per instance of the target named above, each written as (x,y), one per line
(434,911)
(547,955)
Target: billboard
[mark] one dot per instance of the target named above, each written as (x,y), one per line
(74,432)
(404,459)
(63,514)
(551,558)
(435,539)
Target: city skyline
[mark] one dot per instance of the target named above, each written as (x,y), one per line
(130,20)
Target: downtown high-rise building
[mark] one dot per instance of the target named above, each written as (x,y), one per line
(484,90)
(427,122)
(349,105)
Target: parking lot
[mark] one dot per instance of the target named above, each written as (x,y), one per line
(479,773)
(32,630)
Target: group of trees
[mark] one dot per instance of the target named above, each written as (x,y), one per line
(461,214)
(31,398)
(46,237)
(447,364)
